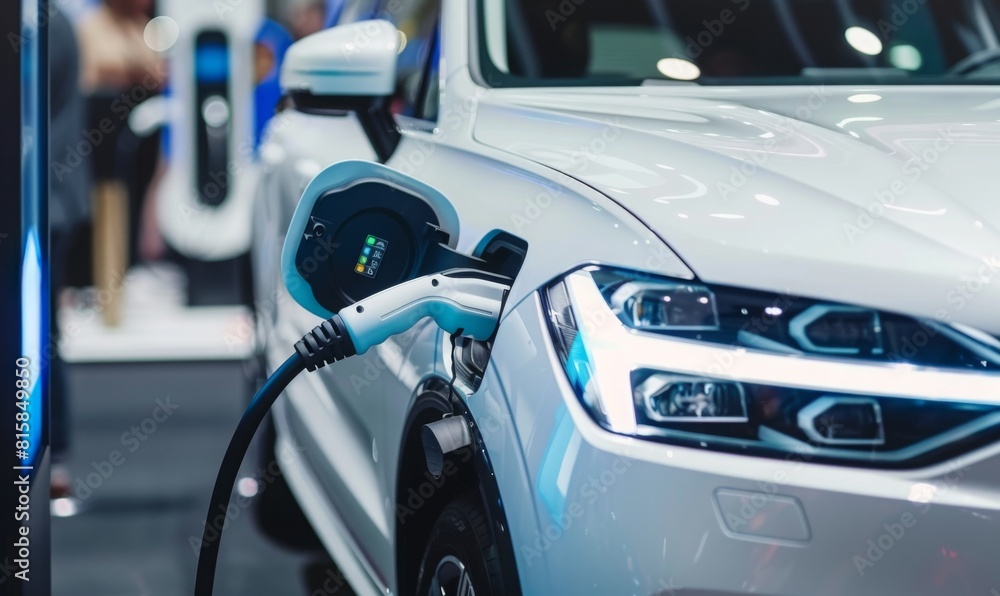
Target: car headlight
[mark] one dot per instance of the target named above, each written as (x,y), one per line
(757,373)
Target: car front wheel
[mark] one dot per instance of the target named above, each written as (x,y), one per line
(461,558)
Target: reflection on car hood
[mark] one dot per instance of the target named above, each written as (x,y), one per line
(885,197)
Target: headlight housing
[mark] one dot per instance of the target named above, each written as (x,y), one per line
(751,372)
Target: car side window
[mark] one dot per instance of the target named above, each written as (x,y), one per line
(417,22)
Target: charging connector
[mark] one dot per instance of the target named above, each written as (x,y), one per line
(462,302)
(459,299)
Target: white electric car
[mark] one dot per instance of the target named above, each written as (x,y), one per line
(753,345)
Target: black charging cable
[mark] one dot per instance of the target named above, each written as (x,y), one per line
(327,343)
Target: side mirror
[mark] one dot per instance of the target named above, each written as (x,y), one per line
(355,60)
(361,227)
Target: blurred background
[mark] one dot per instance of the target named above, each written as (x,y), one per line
(154,102)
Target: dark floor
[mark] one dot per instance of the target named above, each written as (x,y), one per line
(133,535)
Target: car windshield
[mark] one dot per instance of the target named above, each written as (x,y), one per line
(747,42)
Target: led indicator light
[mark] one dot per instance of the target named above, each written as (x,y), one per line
(372,253)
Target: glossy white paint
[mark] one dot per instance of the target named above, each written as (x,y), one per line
(357,59)
(759,187)
(636,178)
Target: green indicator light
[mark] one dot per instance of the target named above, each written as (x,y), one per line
(372,254)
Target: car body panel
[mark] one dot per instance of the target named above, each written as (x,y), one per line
(757,189)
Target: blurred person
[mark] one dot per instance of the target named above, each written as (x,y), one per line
(69,209)
(115,54)
(119,71)
(307,19)
(270,45)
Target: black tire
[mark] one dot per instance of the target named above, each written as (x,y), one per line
(462,558)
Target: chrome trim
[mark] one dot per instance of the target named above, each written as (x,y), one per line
(658,380)
(797,327)
(630,289)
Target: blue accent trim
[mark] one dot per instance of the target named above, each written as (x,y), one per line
(548,476)
(34,294)
(578,365)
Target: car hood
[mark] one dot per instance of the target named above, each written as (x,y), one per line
(880,197)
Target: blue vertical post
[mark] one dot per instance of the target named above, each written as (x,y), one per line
(24,297)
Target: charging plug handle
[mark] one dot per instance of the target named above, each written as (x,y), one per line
(463,300)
